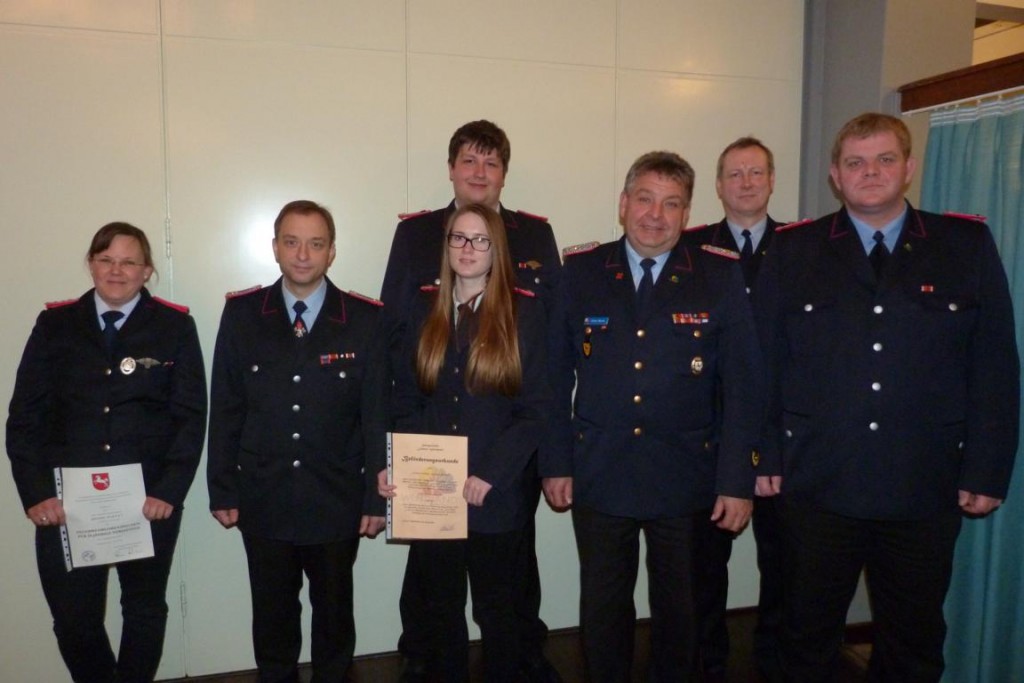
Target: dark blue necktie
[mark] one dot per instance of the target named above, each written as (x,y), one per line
(109,328)
(299,327)
(879,253)
(643,292)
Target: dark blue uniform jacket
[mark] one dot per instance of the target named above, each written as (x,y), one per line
(889,395)
(649,436)
(73,406)
(295,422)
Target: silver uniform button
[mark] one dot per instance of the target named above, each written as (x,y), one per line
(106,409)
(296,463)
(106,448)
(297,378)
(342,374)
(808,307)
(536,280)
(789,433)
(877,346)
(878,310)
(107,372)
(876,386)
(296,408)
(255,368)
(953,307)
(295,436)
(873,426)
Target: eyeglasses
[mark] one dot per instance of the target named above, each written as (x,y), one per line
(459,241)
(107,263)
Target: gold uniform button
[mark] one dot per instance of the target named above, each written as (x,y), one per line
(641,334)
(588,330)
(755,458)
(637,399)
(697,365)
(638,365)
(696,334)
(637,431)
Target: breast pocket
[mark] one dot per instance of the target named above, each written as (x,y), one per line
(810,323)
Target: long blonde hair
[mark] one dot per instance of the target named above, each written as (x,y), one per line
(494,365)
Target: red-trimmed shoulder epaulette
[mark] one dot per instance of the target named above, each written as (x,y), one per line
(171,304)
(243,292)
(525,292)
(543,219)
(580,248)
(695,228)
(429,288)
(794,224)
(58,304)
(367,299)
(721,251)
(412,214)
(977,218)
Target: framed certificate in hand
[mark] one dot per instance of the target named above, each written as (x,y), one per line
(429,473)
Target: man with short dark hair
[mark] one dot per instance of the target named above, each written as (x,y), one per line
(478,159)
(895,405)
(745,178)
(657,337)
(297,413)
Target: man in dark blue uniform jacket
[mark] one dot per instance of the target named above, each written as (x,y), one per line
(895,404)
(744,181)
(478,158)
(658,338)
(297,413)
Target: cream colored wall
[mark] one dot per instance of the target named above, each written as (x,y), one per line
(198,119)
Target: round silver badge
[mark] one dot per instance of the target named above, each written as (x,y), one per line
(127,365)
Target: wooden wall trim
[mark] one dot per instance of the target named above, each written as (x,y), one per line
(974,81)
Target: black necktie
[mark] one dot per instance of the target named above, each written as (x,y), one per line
(879,253)
(747,258)
(643,292)
(466,325)
(299,327)
(748,247)
(109,329)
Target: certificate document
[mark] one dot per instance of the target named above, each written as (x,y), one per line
(103,509)
(429,472)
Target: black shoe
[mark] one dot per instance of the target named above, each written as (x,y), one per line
(539,670)
(413,671)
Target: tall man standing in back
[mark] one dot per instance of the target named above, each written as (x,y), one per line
(895,400)
(744,181)
(478,158)
(298,412)
(657,336)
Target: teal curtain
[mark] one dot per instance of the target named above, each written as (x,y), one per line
(973,164)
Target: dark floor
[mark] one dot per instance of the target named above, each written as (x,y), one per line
(564,653)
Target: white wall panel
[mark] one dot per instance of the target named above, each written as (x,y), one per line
(759,38)
(135,16)
(698,117)
(377,25)
(568,31)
